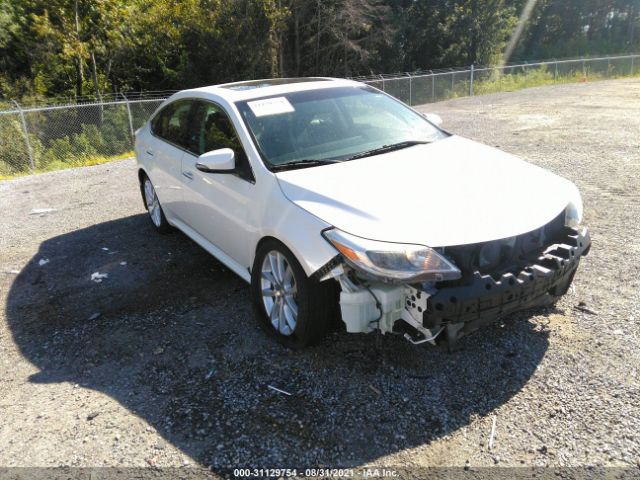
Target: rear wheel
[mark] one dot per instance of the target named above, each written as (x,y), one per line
(153,206)
(297,310)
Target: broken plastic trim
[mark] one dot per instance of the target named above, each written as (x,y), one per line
(318,275)
(483,300)
(429,310)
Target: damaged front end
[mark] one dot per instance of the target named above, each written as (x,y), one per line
(490,280)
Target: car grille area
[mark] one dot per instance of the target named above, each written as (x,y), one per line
(501,256)
(516,275)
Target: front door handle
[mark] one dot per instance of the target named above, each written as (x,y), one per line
(188,174)
(149,152)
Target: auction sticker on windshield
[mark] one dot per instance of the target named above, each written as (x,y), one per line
(270,106)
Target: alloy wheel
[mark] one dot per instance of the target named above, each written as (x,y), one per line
(279,292)
(153,205)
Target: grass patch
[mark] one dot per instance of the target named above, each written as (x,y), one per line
(510,79)
(63,165)
(536,77)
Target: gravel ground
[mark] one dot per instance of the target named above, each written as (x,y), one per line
(162,363)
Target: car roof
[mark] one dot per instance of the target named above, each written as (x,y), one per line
(247,90)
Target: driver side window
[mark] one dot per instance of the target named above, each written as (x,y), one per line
(213,130)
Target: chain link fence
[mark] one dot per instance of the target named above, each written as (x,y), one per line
(59,136)
(51,137)
(418,88)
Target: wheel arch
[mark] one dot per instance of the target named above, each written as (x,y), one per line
(141,175)
(271,238)
(310,264)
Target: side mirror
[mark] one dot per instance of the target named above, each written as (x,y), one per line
(217,161)
(433,118)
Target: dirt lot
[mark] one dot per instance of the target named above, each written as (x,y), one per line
(162,363)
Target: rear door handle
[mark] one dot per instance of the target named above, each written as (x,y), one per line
(149,152)
(188,174)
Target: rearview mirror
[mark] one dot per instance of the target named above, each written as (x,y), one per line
(433,118)
(217,161)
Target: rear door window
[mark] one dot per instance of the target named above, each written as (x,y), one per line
(172,123)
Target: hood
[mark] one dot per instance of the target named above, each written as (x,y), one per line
(450,192)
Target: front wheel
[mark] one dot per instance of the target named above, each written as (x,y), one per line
(296,309)
(153,206)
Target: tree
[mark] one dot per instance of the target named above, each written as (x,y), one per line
(338,37)
(277,16)
(64,43)
(570,28)
(75,47)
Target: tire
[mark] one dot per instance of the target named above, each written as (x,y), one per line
(316,302)
(152,203)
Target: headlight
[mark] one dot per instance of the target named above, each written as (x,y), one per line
(573,215)
(573,212)
(392,261)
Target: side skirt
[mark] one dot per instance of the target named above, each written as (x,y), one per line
(225,259)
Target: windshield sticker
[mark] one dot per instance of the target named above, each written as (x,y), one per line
(270,106)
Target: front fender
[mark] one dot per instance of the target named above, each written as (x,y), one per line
(300,232)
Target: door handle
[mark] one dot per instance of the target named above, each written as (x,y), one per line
(188,174)
(149,152)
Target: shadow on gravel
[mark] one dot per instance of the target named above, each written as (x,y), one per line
(172,337)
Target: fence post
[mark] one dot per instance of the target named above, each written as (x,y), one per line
(26,135)
(526,78)
(584,68)
(126,101)
(555,75)
(471,83)
(410,91)
(383,89)
(453,80)
(632,57)
(433,86)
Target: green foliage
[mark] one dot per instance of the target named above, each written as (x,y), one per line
(80,47)
(109,139)
(79,149)
(60,148)
(100,132)
(514,81)
(115,131)
(478,30)
(14,156)
(13,151)
(94,137)
(88,47)
(575,28)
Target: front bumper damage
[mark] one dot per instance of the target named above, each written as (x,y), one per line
(462,309)
(423,312)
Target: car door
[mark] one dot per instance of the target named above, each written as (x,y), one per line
(164,152)
(216,204)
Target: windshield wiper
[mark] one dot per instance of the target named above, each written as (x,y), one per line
(388,148)
(300,164)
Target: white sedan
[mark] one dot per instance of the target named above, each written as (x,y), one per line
(335,200)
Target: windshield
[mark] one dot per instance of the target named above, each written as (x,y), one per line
(333,124)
